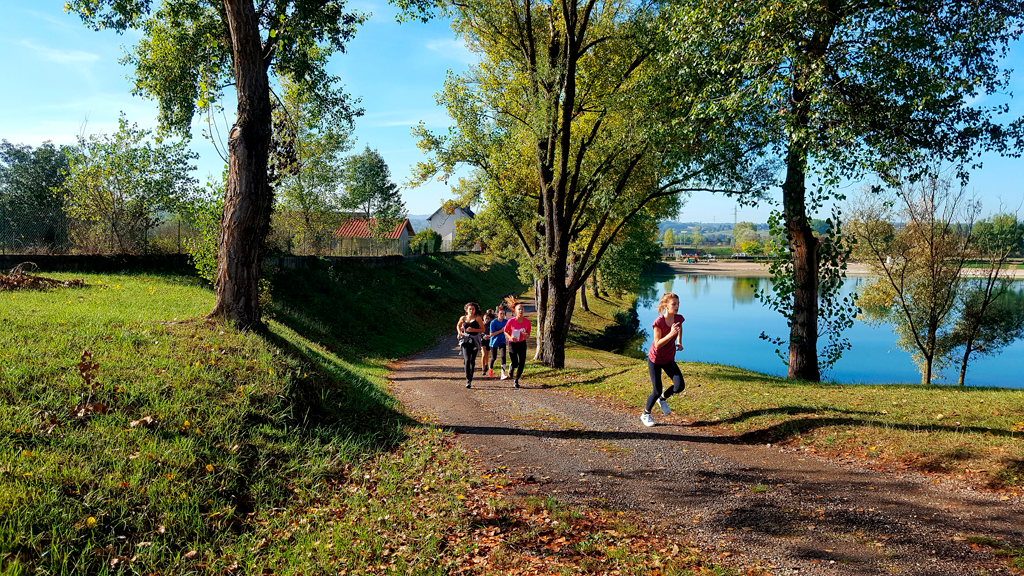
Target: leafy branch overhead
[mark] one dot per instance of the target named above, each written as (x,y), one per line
(184,59)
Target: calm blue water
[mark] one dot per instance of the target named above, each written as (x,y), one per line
(724,320)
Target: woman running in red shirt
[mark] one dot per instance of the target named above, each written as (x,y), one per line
(668,338)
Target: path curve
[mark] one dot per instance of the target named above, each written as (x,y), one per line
(744,505)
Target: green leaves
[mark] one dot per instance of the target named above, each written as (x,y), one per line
(371,192)
(120,181)
(184,58)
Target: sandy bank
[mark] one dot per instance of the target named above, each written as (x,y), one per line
(759,270)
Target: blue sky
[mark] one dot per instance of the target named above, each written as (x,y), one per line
(58,74)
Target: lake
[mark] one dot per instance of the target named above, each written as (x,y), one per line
(724,320)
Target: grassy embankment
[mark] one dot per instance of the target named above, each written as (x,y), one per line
(191,447)
(972,433)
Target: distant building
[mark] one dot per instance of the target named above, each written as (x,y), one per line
(354,238)
(444,224)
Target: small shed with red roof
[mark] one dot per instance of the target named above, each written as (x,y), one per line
(357,239)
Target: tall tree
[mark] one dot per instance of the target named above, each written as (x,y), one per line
(573,127)
(190,52)
(918,264)
(32,196)
(669,239)
(121,180)
(845,88)
(992,314)
(371,192)
(307,162)
(744,232)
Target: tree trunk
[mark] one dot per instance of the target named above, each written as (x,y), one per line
(583,298)
(803,333)
(929,358)
(248,197)
(540,300)
(561,304)
(963,363)
(594,287)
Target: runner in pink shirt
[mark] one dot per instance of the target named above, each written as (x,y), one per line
(517,330)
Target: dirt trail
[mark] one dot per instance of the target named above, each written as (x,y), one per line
(744,505)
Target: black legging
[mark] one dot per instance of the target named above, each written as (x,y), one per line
(654,370)
(494,355)
(469,355)
(517,350)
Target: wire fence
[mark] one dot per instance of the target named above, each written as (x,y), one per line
(55,233)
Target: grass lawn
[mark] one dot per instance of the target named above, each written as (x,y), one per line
(179,445)
(973,433)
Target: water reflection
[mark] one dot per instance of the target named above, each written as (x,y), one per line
(745,289)
(724,320)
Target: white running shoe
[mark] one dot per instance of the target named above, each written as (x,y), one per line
(647,419)
(503,375)
(664,406)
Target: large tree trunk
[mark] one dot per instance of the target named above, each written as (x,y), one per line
(803,333)
(583,298)
(540,301)
(248,197)
(561,303)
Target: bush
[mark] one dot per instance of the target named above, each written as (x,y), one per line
(425,241)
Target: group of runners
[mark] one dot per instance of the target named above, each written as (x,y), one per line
(492,333)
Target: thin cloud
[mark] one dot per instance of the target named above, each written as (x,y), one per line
(454,49)
(60,56)
(433,118)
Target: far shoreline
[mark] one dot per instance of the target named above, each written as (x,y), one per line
(749,269)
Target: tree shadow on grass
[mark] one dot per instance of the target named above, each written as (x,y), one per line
(789,428)
(546,373)
(336,401)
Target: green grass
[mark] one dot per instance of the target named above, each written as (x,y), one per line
(388,312)
(973,432)
(242,423)
(202,449)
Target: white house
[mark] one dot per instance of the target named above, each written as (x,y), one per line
(444,224)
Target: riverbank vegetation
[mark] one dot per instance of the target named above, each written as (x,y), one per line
(967,433)
(138,437)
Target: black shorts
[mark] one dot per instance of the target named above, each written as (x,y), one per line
(485,345)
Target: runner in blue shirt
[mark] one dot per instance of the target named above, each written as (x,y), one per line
(497,330)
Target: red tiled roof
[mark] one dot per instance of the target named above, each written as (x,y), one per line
(360,228)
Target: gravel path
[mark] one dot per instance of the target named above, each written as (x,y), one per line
(743,505)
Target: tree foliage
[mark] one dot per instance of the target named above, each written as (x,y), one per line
(623,265)
(669,239)
(918,265)
(991,314)
(308,166)
(185,59)
(425,241)
(744,232)
(120,181)
(572,125)
(843,89)
(32,195)
(370,191)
